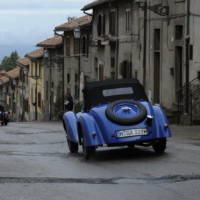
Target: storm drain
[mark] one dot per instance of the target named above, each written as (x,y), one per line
(165,179)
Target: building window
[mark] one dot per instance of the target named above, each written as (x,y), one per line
(39,100)
(47,90)
(76,46)
(126,69)
(101,25)
(156,70)
(32,95)
(198,75)
(52,84)
(112,22)
(76,77)
(191,52)
(104,25)
(179,32)
(67,46)
(157,40)
(128,20)
(112,62)
(84,45)
(31,71)
(76,91)
(68,78)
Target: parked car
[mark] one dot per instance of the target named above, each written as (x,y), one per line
(116,113)
(4,118)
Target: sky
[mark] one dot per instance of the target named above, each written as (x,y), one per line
(28,22)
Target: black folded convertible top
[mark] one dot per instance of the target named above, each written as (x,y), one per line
(98,92)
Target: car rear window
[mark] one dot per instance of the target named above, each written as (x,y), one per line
(118,91)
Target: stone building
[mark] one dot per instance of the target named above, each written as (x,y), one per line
(36,85)
(11,90)
(76,50)
(54,77)
(23,104)
(155,41)
(3,81)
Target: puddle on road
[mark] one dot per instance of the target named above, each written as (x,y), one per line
(166,179)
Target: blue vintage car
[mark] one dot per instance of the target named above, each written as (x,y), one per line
(116,113)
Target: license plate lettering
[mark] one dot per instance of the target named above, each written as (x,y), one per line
(132,133)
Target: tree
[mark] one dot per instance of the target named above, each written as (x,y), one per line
(9,62)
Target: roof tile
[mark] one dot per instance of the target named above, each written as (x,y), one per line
(38,53)
(23,61)
(74,23)
(14,73)
(51,42)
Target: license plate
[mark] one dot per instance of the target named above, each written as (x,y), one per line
(132,133)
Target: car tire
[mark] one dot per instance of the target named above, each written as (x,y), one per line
(88,152)
(73,147)
(160,145)
(126,121)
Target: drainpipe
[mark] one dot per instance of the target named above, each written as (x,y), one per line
(145,44)
(187,71)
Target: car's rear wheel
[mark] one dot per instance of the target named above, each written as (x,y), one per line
(159,145)
(73,147)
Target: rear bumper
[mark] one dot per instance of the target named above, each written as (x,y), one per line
(141,143)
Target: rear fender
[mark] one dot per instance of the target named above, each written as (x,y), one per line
(90,131)
(161,123)
(71,126)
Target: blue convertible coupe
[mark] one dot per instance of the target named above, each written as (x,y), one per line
(116,113)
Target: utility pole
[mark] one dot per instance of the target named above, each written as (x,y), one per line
(145,44)
(187,71)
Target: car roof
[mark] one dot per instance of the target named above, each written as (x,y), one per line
(93,91)
(109,83)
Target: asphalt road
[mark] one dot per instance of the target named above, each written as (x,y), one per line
(35,164)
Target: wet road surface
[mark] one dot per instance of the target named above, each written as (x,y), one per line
(36,164)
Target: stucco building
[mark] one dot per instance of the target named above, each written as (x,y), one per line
(54,77)
(36,85)
(76,41)
(23,95)
(155,41)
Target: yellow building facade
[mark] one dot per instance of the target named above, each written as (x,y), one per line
(36,85)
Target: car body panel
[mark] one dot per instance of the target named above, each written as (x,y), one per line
(98,130)
(71,126)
